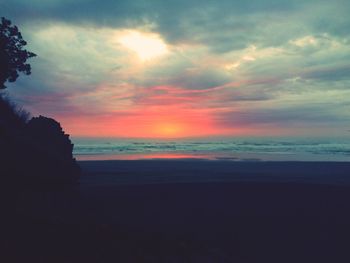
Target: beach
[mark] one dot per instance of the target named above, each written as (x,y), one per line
(203,170)
(175,131)
(194,211)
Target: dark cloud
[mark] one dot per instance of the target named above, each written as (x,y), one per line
(205,79)
(223,25)
(329,74)
(245,96)
(111,11)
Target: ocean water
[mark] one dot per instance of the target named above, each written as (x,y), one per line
(230,149)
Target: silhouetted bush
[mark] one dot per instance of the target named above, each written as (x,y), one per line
(34,152)
(48,134)
(51,140)
(11,115)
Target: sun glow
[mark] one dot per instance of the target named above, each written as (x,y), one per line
(146,45)
(163,122)
(168,129)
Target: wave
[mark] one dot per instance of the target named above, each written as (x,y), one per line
(227,148)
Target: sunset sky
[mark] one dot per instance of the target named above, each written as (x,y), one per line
(189,68)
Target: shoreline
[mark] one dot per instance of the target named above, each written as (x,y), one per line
(236,157)
(202,170)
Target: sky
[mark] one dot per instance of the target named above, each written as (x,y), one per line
(194,68)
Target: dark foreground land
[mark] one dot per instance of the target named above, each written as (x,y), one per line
(184,211)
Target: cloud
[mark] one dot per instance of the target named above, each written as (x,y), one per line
(329,74)
(223,25)
(251,62)
(307,116)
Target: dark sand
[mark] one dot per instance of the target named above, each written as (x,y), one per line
(191,211)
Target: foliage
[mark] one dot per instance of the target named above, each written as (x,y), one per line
(13,56)
(35,151)
(11,114)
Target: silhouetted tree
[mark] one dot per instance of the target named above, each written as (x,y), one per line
(13,56)
(35,151)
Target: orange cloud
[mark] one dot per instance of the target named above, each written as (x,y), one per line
(159,121)
(158,112)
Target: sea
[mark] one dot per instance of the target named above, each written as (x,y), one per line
(224,149)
